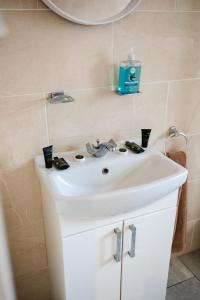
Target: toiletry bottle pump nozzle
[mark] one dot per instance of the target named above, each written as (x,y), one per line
(131,55)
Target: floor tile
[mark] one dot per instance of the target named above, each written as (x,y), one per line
(187,290)
(192,262)
(178,272)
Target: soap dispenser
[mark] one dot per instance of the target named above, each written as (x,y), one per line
(129,75)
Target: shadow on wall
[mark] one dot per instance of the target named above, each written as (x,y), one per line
(3,28)
(7,290)
(101,61)
(23,213)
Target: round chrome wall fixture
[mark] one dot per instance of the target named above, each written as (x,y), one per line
(58,6)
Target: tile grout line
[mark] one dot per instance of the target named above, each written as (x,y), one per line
(194,180)
(50,91)
(171,81)
(23,9)
(31,272)
(113,66)
(195,220)
(102,87)
(166,11)
(137,10)
(192,235)
(46,123)
(193,134)
(171,286)
(166,105)
(189,270)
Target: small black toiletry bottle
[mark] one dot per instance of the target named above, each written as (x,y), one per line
(60,163)
(48,156)
(134,147)
(145,137)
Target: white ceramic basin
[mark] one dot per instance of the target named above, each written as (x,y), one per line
(133,180)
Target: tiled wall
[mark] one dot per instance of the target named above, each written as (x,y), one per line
(44,53)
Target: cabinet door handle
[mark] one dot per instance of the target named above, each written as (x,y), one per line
(117,255)
(132,228)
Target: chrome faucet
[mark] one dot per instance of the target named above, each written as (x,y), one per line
(101,148)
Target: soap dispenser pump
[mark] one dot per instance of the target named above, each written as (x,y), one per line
(129,75)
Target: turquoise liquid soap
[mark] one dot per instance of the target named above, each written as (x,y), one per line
(129,75)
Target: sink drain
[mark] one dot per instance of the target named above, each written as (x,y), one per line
(105,171)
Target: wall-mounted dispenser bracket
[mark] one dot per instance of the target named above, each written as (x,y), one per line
(59,97)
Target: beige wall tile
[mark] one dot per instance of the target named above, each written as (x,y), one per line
(157,5)
(23,134)
(41,5)
(166,43)
(96,113)
(103,114)
(26,237)
(193,200)
(189,234)
(22,197)
(23,129)
(34,286)
(193,157)
(18,4)
(184,106)
(195,245)
(59,54)
(27,262)
(193,5)
(27,245)
(149,110)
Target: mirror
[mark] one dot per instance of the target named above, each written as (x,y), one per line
(92,12)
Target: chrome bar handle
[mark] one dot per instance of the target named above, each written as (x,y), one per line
(117,255)
(132,228)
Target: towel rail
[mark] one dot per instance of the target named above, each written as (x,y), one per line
(174,133)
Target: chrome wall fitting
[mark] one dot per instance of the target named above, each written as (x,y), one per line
(173,132)
(59,97)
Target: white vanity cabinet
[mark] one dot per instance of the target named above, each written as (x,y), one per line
(145,265)
(128,260)
(109,235)
(91,272)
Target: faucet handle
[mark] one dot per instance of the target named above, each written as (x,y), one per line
(111,145)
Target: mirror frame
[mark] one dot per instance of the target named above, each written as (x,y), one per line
(125,12)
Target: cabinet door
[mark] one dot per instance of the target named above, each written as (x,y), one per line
(146,255)
(91,270)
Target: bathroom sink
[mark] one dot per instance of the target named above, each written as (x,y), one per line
(110,185)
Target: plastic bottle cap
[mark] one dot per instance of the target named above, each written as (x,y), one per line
(79,157)
(122,151)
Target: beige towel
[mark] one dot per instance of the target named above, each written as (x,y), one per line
(179,241)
